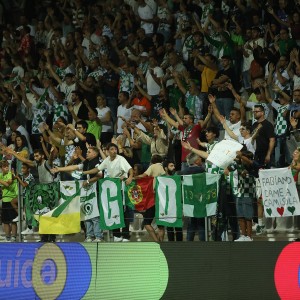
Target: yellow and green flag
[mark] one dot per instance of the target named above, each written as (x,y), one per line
(65,218)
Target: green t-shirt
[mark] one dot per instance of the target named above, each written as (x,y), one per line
(174,96)
(9,192)
(237,39)
(95,129)
(145,153)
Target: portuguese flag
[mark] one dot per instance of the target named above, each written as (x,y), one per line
(139,195)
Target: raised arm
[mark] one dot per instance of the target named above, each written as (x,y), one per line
(228,130)
(169,120)
(55,138)
(142,91)
(205,123)
(186,145)
(71,110)
(44,146)
(19,157)
(174,113)
(272,12)
(76,132)
(179,82)
(91,111)
(212,100)
(52,73)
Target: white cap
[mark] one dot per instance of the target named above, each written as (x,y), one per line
(144,54)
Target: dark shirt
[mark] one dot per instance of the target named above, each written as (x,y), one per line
(225,92)
(91,97)
(83,112)
(263,139)
(90,164)
(191,170)
(110,91)
(90,140)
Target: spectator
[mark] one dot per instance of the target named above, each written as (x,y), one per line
(190,132)
(77,108)
(93,232)
(9,192)
(195,166)
(224,96)
(154,170)
(43,167)
(117,167)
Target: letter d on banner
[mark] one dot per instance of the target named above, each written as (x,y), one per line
(168,211)
(110,204)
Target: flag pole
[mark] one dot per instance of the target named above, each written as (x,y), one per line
(20,209)
(206,229)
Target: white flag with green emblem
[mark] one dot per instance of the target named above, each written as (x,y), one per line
(111,204)
(65,218)
(88,202)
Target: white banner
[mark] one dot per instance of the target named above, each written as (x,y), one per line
(88,198)
(88,202)
(279,193)
(223,153)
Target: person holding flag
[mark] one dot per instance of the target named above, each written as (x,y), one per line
(172,232)
(155,169)
(93,232)
(45,176)
(117,167)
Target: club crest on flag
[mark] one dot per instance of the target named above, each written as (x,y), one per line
(135,194)
(87,208)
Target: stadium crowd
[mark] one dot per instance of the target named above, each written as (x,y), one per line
(113,87)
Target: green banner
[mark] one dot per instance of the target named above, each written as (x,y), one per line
(110,204)
(40,198)
(200,194)
(168,204)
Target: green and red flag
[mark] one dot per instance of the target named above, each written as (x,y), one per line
(139,195)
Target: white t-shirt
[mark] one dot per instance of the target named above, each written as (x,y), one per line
(233,127)
(247,60)
(155,170)
(152,87)
(124,112)
(284,74)
(178,68)
(24,132)
(146,13)
(101,114)
(116,168)
(67,90)
(248,143)
(18,71)
(296,80)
